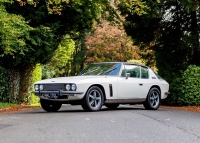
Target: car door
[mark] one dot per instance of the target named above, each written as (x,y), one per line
(134,86)
(145,81)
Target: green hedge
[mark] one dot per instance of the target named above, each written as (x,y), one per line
(37,75)
(185,90)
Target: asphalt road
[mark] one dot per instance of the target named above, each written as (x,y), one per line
(127,124)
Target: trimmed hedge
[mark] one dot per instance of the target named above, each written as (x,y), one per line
(185,90)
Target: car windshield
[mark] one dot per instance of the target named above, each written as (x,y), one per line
(111,69)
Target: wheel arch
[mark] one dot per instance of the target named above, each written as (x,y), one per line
(156,86)
(102,89)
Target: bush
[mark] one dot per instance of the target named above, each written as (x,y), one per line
(37,75)
(185,90)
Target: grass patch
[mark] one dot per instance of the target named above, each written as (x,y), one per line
(36,105)
(6,105)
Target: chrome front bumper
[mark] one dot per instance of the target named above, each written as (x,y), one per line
(56,94)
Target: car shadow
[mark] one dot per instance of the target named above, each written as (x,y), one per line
(78,109)
(73,109)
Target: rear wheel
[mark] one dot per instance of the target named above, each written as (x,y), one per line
(50,106)
(153,99)
(112,106)
(93,99)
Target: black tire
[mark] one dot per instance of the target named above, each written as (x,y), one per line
(50,106)
(112,106)
(152,100)
(93,99)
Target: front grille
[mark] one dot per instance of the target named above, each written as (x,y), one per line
(50,87)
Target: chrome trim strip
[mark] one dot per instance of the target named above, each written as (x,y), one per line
(124,101)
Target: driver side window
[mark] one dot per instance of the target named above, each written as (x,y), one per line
(134,71)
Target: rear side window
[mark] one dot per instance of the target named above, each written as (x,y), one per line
(159,77)
(144,72)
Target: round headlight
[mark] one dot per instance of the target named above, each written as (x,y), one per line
(36,87)
(41,87)
(67,87)
(73,87)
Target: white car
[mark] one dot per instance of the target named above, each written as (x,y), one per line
(106,83)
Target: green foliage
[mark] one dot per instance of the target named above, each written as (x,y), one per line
(137,7)
(47,71)
(190,88)
(191,5)
(13,30)
(79,55)
(20,43)
(37,75)
(6,105)
(185,90)
(58,63)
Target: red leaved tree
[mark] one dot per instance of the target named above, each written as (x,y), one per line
(109,43)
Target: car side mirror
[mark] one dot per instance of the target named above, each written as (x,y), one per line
(127,75)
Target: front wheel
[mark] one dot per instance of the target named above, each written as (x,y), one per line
(93,99)
(50,106)
(152,100)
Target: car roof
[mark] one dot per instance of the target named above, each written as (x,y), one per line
(125,63)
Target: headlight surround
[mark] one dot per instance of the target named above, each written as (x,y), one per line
(73,87)
(67,87)
(41,87)
(36,87)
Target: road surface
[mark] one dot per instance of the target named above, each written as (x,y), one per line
(127,124)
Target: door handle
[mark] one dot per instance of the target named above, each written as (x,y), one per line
(140,84)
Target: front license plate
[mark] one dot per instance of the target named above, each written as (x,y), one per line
(54,95)
(46,95)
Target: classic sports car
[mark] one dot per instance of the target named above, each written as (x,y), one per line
(106,83)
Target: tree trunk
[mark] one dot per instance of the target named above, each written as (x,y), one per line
(14,80)
(25,83)
(195,38)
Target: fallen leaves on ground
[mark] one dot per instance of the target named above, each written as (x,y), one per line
(112,121)
(24,106)
(16,108)
(184,108)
